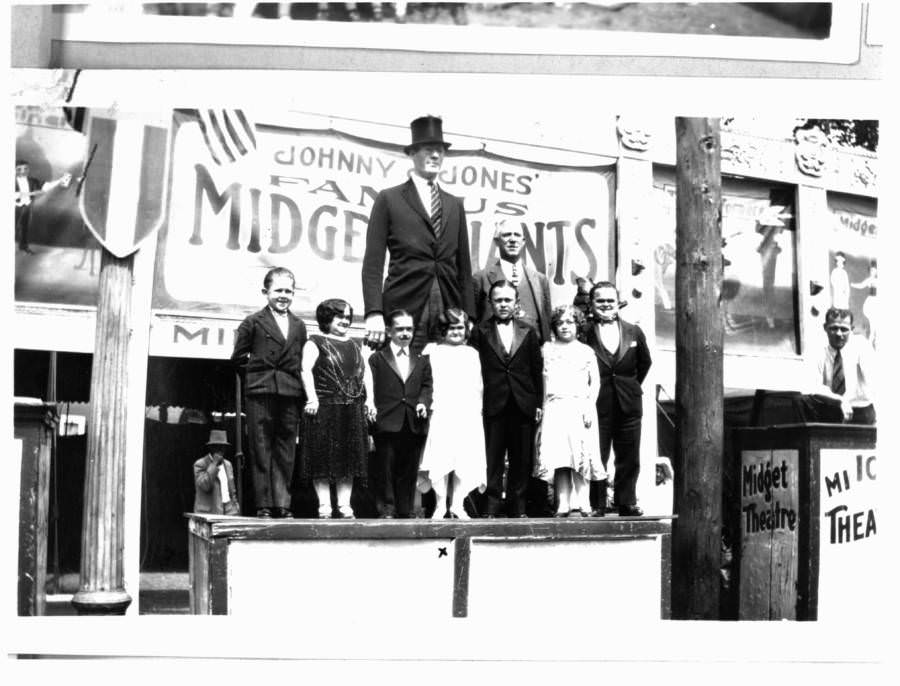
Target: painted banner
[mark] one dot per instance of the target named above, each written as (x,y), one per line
(851,560)
(301,200)
(853,263)
(770,522)
(758,290)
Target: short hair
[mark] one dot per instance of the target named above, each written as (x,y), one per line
(277,271)
(501,283)
(602,284)
(835,313)
(841,254)
(19,163)
(452,315)
(500,220)
(399,312)
(559,312)
(327,310)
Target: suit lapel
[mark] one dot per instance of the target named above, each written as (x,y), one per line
(493,337)
(625,339)
(519,332)
(269,324)
(599,347)
(392,363)
(411,195)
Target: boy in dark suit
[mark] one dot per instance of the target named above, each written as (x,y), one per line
(624,360)
(511,367)
(268,347)
(401,398)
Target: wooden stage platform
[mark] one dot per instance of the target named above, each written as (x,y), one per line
(257,569)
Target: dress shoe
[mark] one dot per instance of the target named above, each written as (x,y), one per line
(560,515)
(630,511)
(451,515)
(285,513)
(264,512)
(577,512)
(522,516)
(386,516)
(598,512)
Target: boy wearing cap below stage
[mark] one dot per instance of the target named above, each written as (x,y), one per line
(399,403)
(214,479)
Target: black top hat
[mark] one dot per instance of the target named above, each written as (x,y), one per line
(425,129)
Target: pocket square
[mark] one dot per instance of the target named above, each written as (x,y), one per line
(633,344)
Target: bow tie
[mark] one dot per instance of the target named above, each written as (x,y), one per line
(607,323)
(401,352)
(508,322)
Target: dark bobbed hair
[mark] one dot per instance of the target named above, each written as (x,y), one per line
(561,311)
(393,314)
(602,284)
(835,313)
(277,271)
(327,310)
(452,315)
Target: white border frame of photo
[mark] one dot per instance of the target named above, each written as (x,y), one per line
(841,47)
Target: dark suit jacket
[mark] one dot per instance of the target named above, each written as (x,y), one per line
(518,374)
(272,363)
(399,224)
(537,282)
(395,398)
(208,491)
(621,374)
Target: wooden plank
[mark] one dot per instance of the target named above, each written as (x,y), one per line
(463,553)
(217,579)
(665,576)
(785,538)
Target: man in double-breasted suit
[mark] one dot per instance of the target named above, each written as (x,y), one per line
(511,369)
(532,288)
(423,229)
(268,347)
(624,360)
(400,400)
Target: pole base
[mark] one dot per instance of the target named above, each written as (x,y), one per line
(101,602)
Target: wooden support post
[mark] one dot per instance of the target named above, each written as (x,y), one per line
(101,586)
(699,335)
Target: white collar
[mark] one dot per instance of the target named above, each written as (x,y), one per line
(396,350)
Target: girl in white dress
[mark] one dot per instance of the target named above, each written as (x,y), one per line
(568,454)
(454,450)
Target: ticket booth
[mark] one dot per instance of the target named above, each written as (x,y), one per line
(808,521)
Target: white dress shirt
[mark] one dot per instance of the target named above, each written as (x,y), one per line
(401,355)
(505,331)
(282,320)
(609,336)
(424,191)
(857,358)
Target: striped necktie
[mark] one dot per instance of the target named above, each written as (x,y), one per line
(515,275)
(435,209)
(838,384)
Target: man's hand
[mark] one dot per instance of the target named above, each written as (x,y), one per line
(847,409)
(374,330)
(587,421)
(311,408)
(371,413)
(421,411)
(538,415)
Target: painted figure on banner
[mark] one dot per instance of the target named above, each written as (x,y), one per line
(335,446)
(27,189)
(454,450)
(769,248)
(623,359)
(215,491)
(423,229)
(511,370)
(402,387)
(840,282)
(843,372)
(568,452)
(532,288)
(870,304)
(268,349)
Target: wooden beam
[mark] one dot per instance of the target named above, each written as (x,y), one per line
(699,335)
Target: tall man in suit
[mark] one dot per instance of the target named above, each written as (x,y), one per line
(399,401)
(423,228)
(268,347)
(532,288)
(624,360)
(511,368)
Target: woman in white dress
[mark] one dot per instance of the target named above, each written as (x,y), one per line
(454,450)
(568,454)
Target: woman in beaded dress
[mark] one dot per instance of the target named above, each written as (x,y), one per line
(335,443)
(568,454)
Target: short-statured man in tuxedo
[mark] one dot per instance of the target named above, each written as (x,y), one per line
(423,229)
(400,399)
(624,360)
(268,348)
(532,288)
(511,368)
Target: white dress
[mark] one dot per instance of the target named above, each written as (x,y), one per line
(456,433)
(571,385)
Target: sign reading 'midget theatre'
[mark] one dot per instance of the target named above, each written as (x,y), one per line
(769,534)
(849,552)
